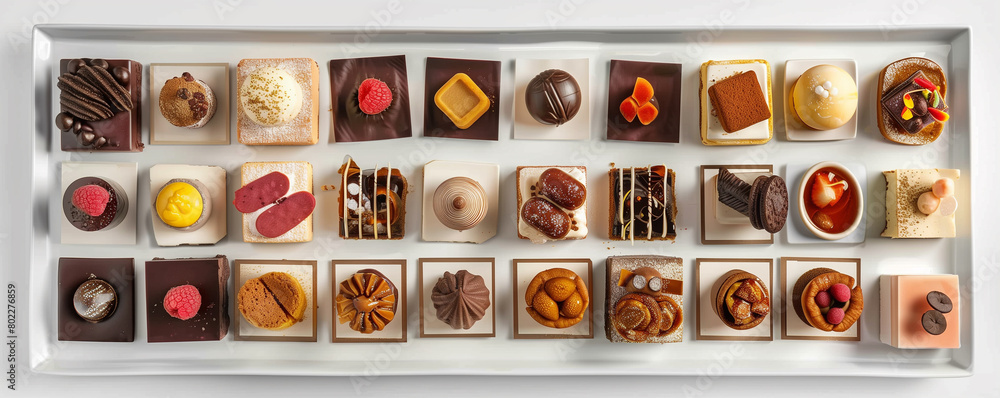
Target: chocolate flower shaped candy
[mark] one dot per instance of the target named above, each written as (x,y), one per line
(460,299)
(367,300)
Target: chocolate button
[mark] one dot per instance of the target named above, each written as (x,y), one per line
(939,301)
(95,300)
(933,322)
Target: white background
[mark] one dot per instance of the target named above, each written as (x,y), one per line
(17,17)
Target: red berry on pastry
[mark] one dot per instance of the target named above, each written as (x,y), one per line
(91,199)
(835,315)
(182,302)
(374,96)
(840,292)
(823,299)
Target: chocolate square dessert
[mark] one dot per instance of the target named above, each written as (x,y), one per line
(170,314)
(371,99)
(643,204)
(915,101)
(100,105)
(664,80)
(739,101)
(96,299)
(372,202)
(645,299)
(485,75)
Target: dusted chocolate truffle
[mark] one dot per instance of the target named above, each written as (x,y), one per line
(553,97)
(460,299)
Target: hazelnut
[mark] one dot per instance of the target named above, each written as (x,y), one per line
(183,93)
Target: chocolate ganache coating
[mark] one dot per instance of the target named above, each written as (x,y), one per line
(460,299)
(553,97)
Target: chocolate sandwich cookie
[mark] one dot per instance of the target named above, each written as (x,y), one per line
(753,204)
(733,191)
(764,202)
(774,207)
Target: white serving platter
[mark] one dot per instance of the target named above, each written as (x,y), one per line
(502,355)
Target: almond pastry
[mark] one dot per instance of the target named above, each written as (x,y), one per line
(557,298)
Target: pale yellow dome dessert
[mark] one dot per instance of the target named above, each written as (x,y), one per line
(271,97)
(825,97)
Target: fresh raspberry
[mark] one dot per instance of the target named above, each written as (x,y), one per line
(835,315)
(91,199)
(840,292)
(374,96)
(182,302)
(823,299)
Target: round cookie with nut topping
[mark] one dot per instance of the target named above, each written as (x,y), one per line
(187,102)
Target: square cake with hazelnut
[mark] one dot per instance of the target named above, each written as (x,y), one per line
(645,299)
(551,203)
(920,203)
(278,101)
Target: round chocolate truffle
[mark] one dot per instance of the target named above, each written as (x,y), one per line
(553,97)
(95,300)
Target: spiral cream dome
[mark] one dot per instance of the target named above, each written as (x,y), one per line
(460,203)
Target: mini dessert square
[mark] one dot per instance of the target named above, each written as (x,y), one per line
(734,299)
(457,297)
(189,204)
(276,300)
(821,99)
(461,99)
(920,203)
(643,204)
(276,201)
(187,299)
(372,202)
(920,311)
(277,101)
(98,204)
(552,99)
(371,99)
(551,203)
(644,101)
(96,299)
(192,104)
(460,201)
(722,224)
(100,105)
(911,107)
(645,299)
(738,111)
(821,298)
(552,299)
(369,301)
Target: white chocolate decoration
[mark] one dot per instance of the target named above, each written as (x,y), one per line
(927,203)
(948,206)
(460,203)
(271,97)
(943,188)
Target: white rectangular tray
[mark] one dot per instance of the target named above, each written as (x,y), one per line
(870,47)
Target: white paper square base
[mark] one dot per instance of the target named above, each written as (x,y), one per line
(395,329)
(306,276)
(433,269)
(761,130)
(216,131)
(214,178)
(124,174)
(526,326)
(717,233)
(525,126)
(486,174)
(794,328)
(710,327)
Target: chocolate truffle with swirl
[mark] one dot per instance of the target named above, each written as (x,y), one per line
(367,300)
(372,202)
(644,299)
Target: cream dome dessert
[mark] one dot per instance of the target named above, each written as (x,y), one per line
(825,97)
(271,97)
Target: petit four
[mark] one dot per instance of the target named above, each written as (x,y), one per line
(460,203)
(557,298)
(830,200)
(188,204)
(643,204)
(372,202)
(645,299)
(827,300)
(764,202)
(183,204)
(96,299)
(278,101)
(461,299)
(736,102)
(649,92)
(187,102)
(553,97)
(99,103)
(270,213)
(366,301)
(824,97)
(911,107)
(920,203)
(95,204)
(187,299)
(920,311)
(551,203)
(461,98)
(741,299)
(371,98)
(273,301)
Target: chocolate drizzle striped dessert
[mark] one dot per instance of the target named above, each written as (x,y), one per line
(643,204)
(372,202)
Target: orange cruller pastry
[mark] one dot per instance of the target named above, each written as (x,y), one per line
(367,300)
(742,300)
(557,298)
(824,299)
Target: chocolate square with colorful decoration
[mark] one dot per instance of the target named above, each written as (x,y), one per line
(664,79)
